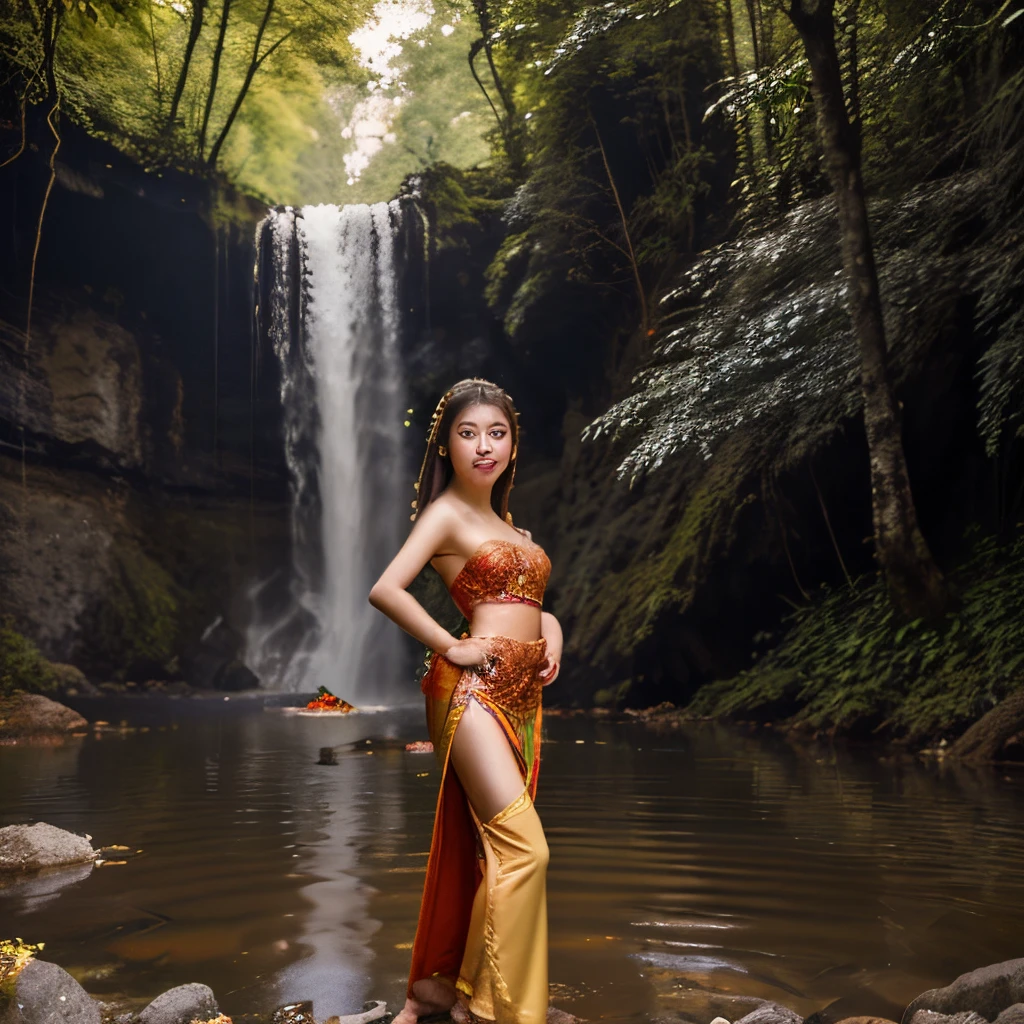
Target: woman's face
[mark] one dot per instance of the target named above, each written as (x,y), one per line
(480,444)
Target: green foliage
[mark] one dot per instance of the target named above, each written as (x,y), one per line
(913,74)
(439,115)
(585,78)
(845,663)
(627,607)
(457,201)
(22,667)
(135,626)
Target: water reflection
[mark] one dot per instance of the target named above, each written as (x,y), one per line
(692,873)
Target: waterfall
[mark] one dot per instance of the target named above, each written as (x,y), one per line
(330,309)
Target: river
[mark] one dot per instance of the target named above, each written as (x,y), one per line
(691,871)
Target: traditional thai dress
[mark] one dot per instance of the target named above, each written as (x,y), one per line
(483,919)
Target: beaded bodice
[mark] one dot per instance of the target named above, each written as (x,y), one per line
(500,570)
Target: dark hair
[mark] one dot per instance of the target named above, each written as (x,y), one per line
(436,471)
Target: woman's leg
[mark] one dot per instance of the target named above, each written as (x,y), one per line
(505,966)
(489,774)
(485,762)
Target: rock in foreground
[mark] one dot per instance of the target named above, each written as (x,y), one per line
(987,991)
(44,993)
(181,1005)
(34,847)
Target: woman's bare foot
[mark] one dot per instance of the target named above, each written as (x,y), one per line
(429,995)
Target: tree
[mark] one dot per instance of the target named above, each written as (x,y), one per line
(915,582)
(194,29)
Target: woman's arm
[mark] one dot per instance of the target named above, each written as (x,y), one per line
(432,533)
(551,631)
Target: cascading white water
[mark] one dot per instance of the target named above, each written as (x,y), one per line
(341,393)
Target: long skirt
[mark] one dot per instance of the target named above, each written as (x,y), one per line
(483,919)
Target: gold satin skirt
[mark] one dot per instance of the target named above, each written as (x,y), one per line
(483,919)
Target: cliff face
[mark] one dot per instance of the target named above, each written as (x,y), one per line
(136,469)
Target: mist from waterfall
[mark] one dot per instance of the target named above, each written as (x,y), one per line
(331,313)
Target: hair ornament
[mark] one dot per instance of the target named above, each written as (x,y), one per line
(435,423)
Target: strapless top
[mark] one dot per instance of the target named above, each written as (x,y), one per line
(501,570)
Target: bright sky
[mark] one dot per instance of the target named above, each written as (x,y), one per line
(379,43)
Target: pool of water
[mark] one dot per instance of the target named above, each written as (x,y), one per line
(691,872)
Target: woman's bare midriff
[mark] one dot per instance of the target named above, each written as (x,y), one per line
(506,618)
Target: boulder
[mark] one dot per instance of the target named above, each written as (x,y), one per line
(46,994)
(34,847)
(931,1017)
(1011,1015)
(31,714)
(771,1013)
(214,662)
(987,991)
(866,1020)
(181,1005)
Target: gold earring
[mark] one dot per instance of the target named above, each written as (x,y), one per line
(515,451)
(442,451)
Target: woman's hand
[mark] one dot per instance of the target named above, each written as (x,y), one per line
(548,670)
(552,633)
(470,652)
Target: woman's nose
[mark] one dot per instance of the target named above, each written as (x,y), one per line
(483,444)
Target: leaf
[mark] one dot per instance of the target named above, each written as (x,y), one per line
(1013,17)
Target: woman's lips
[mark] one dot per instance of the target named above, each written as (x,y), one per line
(485,465)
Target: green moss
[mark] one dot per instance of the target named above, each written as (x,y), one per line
(845,663)
(22,667)
(137,623)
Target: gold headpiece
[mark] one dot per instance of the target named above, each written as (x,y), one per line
(435,423)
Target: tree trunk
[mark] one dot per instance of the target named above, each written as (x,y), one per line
(915,584)
(510,128)
(196,26)
(983,741)
(730,35)
(754,39)
(254,66)
(214,75)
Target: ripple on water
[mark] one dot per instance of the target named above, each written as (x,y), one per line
(688,878)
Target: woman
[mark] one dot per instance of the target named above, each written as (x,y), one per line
(482,929)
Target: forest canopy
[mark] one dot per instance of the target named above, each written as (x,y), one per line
(281,97)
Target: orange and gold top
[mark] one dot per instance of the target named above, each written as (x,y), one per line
(501,570)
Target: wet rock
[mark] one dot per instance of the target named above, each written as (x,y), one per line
(34,847)
(557,1016)
(46,994)
(375,1010)
(862,1005)
(931,1017)
(181,1005)
(987,991)
(865,1020)
(215,663)
(1011,1015)
(32,714)
(294,1013)
(771,1013)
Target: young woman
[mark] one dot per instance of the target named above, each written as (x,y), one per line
(482,929)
